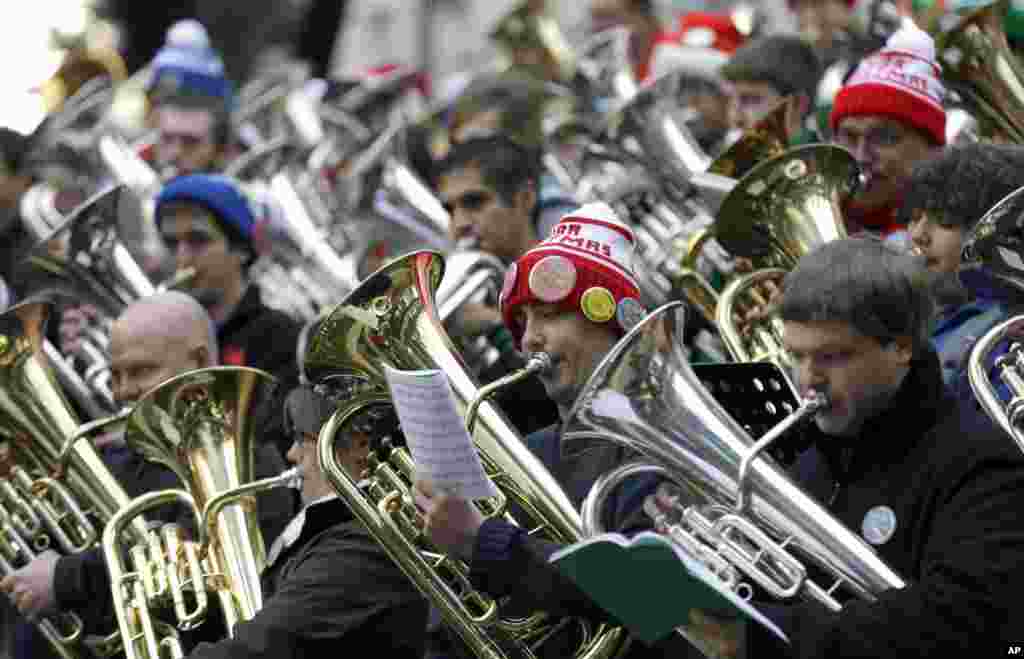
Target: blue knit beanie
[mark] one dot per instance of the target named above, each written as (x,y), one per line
(188,66)
(221,195)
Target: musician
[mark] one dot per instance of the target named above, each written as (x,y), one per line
(932,486)
(154,339)
(945,198)
(764,72)
(489,185)
(889,114)
(574,304)
(191,98)
(327,581)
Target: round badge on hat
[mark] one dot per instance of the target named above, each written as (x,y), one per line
(598,304)
(879,525)
(552,278)
(629,312)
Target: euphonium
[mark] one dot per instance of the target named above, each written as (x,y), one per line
(199,425)
(391,321)
(989,265)
(84,261)
(978,64)
(781,210)
(55,493)
(739,513)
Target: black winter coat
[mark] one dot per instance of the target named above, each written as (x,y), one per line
(334,590)
(954,486)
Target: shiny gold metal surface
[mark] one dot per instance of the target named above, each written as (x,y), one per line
(979,65)
(200,426)
(391,320)
(759,340)
(43,506)
(767,140)
(785,207)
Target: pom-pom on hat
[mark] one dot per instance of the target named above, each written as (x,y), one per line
(583,265)
(221,195)
(901,81)
(187,65)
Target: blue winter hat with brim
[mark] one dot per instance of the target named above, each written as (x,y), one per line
(221,195)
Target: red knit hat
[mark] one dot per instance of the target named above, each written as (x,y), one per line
(583,265)
(900,81)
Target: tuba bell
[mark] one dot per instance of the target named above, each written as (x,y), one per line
(83,260)
(391,321)
(55,492)
(199,425)
(978,64)
(989,266)
(738,513)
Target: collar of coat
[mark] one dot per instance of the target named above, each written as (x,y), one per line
(917,407)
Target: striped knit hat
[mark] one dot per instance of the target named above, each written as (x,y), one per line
(584,265)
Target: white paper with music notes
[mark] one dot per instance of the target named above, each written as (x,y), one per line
(436,433)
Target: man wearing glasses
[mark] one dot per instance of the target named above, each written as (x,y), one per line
(890,116)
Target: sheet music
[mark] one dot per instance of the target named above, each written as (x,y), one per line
(436,433)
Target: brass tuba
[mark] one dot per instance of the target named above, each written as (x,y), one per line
(781,210)
(978,64)
(391,321)
(83,260)
(989,264)
(738,512)
(199,425)
(55,492)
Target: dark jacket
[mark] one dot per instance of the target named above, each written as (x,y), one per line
(81,581)
(508,561)
(956,486)
(334,590)
(257,336)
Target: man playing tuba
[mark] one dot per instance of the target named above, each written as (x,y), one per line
(154,339)
(930,484)
(573,296)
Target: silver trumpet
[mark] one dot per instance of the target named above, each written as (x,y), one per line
(738,512)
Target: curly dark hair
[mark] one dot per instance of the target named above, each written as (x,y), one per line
(959,186)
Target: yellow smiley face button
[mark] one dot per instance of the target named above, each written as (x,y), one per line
(597,304)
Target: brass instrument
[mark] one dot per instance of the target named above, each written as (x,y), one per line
(757,341)
(738,512)
(199,425)
(978,64)
(989,266)
(55,492)
(786,206)
(391,321)
(768,139)
(84,261)
(532,42)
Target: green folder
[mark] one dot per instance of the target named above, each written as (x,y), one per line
(649,584)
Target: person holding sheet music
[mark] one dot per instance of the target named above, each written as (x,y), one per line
(573,296)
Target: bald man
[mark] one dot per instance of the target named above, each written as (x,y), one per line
(154,339)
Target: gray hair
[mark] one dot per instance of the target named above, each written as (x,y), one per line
(184,306)
(879,290)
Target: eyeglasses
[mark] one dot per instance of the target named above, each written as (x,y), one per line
(471,201)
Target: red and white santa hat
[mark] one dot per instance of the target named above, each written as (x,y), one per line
(585,265)
(901,81)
